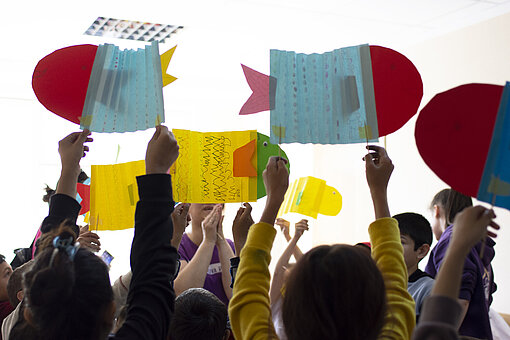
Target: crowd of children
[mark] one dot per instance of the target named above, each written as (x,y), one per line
(200,285)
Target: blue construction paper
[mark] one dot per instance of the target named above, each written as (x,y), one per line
(125,90)
(495,184)
(323,98)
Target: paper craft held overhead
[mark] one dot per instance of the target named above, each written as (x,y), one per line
(220,167)
(113,195)
(463,135)
(349,95)
(103,88)
(311,196)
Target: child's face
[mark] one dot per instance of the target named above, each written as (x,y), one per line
(5,274)
(410,255)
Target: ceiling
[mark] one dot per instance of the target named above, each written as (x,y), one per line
(34,29)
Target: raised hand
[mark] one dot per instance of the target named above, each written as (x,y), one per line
(88,239)
(276,181)
(242,223)
(378,168)
(180,220)
(284,227)
(301,227)
(72,149)
(162,151)
(210,224)
(471,226)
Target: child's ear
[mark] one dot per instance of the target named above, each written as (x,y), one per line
(422,251)
(437,211)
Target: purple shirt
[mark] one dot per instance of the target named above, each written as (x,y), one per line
(213,282)
(477,284)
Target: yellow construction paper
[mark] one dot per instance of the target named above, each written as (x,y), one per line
(203,173)
(311,196)
(113,195)
(165,61)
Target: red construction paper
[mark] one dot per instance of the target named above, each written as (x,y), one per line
(398,88)
(242,160)
(453,134)
(60,80)
(84,192)
(260,85)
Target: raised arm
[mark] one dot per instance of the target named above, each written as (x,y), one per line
(281,265)
(194,272)
(249,308)
(63,205)
(378,171)
(387,249)
(153,259)
(225,253)
(284,227)
(442,314)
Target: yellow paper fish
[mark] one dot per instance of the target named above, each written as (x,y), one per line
(311,196)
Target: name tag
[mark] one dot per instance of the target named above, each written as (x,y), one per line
(214,268)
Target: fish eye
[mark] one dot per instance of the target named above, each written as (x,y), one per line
(265,143)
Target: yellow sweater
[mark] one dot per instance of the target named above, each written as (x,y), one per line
(249,308)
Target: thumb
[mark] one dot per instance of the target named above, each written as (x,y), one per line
(82,138)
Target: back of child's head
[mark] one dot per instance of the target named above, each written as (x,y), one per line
(15,284)
(198,314)
(334,292)
(68,291)
(452,202)
(416,227)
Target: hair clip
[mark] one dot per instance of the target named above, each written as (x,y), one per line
(65,244)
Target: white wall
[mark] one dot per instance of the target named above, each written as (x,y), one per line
(480,53)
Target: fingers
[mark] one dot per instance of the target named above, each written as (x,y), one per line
(247,208)
(84,229)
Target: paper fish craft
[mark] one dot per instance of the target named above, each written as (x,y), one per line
(311,196)
(349,95)
(83,198)
(221,167)
(103,88)
(463,135)
(113,195)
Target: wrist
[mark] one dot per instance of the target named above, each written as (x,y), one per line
(458,251)
(151,170)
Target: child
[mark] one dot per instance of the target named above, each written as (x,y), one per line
(199,315)
(416,238)
(281,272)
(5,273)
(477,279)
(442,312)
(333,292)
(67,291)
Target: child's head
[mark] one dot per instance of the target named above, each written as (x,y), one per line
(445,205)
(334,292)
(15,284)
(5,274)
(199,314)
(68,291)
(416,238)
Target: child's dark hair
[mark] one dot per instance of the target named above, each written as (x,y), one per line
(15,283)
(452,202)
(199,314)
(334,292)
(416,227)
(67,295)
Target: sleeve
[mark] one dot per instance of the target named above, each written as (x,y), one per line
(249,308)
(439,316)
(423,295)
(120,290)
(153,262)
(469,278)
(388,254)
(62,207)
